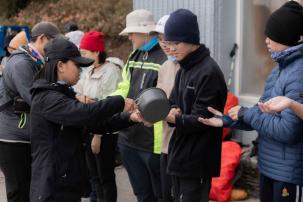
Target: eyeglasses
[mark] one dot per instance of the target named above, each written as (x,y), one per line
(172,44)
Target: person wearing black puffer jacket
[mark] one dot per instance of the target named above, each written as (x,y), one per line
(194,152)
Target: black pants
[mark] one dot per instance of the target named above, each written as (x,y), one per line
(191,189)
(143,169)
(15,163)
(166,181)
(102,168)
(276,191)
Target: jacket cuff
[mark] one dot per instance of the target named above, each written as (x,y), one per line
(125,116)
(179,121)
(241,113)
(119,100)
(227,121)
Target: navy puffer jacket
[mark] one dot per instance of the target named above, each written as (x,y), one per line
(280,134)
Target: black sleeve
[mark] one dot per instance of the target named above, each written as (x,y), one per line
(209,93)
(58,108)
(113,124)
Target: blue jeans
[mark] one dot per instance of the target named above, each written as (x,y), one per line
(143,170)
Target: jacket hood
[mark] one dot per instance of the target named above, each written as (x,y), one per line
(43,85)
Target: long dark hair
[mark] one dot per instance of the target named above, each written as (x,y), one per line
(49,71)
(102,57)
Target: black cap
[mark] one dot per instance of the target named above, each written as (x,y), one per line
(71,26)
(61,48)
(47,28)
(285,25)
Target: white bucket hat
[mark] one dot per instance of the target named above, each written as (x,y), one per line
(160,25)
(139,21)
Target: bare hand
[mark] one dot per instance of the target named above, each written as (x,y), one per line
(96,144)
(214,121)
(136,116)
(233,112)
(129,105)
(85,99)
(171,117)
(147,124)
(275,104)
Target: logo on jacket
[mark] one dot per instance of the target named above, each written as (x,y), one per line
(285,192)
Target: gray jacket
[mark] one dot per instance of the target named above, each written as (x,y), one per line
(18,72)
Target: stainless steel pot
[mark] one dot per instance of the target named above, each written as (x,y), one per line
(153,104)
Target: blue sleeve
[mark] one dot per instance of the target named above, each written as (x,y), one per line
(285,126)
(229,123)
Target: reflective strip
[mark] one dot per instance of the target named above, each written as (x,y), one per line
(158,128)
(123,86)
(297,193)
(23,119)
(144,65)
(14,141)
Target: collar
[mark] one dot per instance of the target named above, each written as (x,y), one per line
(194,57)
(149,45)
(278,56)
(288,55)
(33,53)
(61,82)
(36,54)
(96,73)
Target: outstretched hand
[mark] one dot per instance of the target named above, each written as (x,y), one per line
(233,112)
(214,121)
(276,104)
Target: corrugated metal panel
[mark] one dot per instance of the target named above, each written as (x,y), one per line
(216,22)
(202,8)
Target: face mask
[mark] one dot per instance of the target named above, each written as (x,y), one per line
(172,58)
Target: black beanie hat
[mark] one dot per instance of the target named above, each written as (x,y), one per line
(285,25)
(182,26)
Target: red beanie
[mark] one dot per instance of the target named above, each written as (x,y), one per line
(93,41)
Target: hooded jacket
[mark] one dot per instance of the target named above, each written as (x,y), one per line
(57,120)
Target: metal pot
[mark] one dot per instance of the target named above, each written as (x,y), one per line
(153,104)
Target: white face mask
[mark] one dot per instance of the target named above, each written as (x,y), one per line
(172,58)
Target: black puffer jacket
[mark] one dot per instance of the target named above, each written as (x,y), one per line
(195,149)
(57,119)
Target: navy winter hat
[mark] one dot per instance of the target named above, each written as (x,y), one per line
(285,25)
(182,26)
